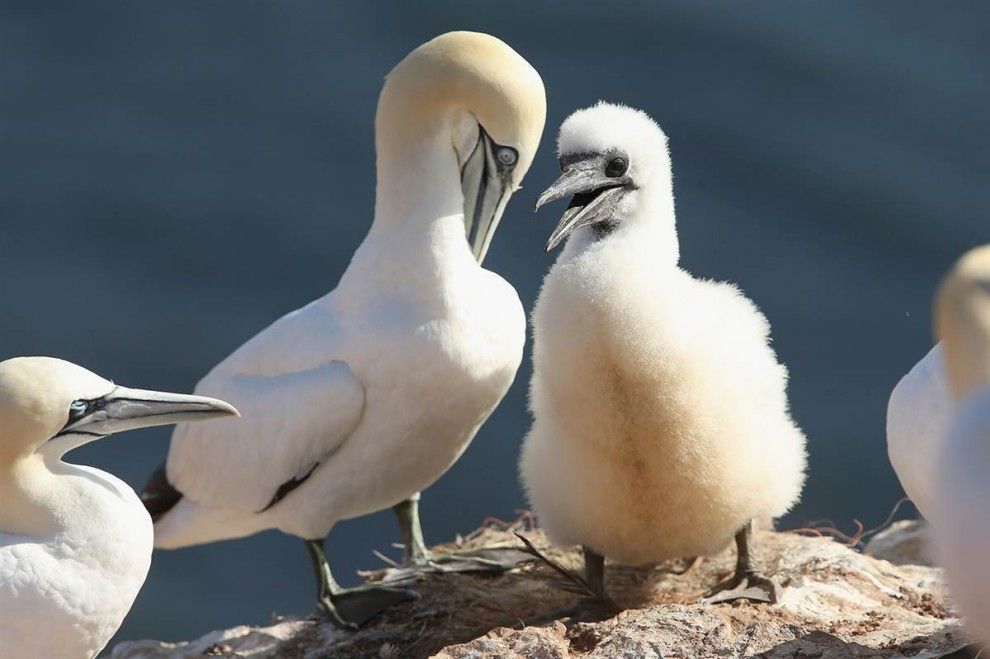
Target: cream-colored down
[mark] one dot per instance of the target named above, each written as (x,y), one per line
(661,421)
(960,516)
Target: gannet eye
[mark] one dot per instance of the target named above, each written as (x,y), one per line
(616,167)
(507,155)
(78,409)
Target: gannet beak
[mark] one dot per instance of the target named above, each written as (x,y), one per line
(486,180)
(127,409)
(595,196)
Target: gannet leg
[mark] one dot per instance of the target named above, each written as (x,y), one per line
(407,513)
(748,582)
(350,608)
(594,572)
(416,556)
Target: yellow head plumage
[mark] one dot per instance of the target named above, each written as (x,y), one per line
(962,321)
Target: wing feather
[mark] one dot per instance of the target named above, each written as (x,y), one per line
(289,423)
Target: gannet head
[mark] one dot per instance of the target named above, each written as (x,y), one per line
(962,321)
(461,113)
(614,161)
(49,406)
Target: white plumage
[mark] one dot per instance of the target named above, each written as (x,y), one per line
(918,415)
(75,542)
(376,389)
(382,389)
(661,424)
(960,512)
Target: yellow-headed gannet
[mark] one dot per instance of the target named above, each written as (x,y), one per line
(75,542)
(960,515)
(661,425)
(918,414)
(366,396)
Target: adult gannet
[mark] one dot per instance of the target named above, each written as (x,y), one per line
(75,542)
(366,396)
(661,425)
(960,514)
(918,415)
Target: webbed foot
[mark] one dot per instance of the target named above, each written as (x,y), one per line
(751,586)
(352,608)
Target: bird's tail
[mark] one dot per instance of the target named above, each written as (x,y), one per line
(159,496)
(188,523)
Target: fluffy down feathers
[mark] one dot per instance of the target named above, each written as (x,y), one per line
(660,411)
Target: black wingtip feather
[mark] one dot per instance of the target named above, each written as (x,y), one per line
(159,496)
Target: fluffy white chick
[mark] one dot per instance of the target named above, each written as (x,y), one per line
(661,424)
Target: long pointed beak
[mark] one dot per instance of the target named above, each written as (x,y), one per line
(128,409)
(486,180)
(595,196)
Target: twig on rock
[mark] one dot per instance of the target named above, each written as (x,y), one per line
(570,575)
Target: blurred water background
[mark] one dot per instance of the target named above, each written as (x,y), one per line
(174,176)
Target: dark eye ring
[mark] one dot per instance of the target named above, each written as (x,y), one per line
(616,167)
(507,155)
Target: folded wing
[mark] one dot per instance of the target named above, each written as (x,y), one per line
(290,422)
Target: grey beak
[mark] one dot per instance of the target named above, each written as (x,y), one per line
(128,409)
(486,180)
(595,196)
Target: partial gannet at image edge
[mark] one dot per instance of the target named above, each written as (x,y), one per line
(918,415)
(960,512)
(75,542)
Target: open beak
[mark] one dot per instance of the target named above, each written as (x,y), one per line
(127,409)
(595,196)
(486,180)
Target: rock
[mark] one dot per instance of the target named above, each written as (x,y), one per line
(902,543)
(835,602)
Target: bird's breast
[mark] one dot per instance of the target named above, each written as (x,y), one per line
(430,382)
(96,565)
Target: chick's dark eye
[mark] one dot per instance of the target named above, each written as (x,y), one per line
(616,167)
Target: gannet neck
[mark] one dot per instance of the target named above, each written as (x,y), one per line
(42,495)
(29,494)
(655,223)
(448,105)
(418,183)
(962,322)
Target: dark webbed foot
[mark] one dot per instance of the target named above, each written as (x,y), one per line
(753,587)
(417,558)
(748,583)
(352,608)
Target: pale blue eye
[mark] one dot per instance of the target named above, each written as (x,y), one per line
(507,156)
(78,409)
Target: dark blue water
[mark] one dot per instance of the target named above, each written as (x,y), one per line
(174,176)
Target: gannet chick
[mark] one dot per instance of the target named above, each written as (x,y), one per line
(960,514)
(366,396)
(918,415)
(75,542)
(661,425)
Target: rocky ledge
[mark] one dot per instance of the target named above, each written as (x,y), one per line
(835,602)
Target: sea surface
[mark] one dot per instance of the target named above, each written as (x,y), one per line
(176,175)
